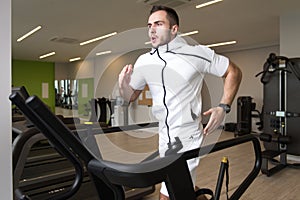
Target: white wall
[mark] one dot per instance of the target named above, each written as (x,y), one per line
(75,70)
(289,34)
(83,69)
(107,69)
(61,71)
(251,62)
(5,108)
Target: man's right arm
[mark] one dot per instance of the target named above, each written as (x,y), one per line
(125,89)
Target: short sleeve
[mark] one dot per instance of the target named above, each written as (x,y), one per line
(211,62)
(219,65)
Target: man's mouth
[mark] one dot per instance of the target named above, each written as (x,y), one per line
(153,39)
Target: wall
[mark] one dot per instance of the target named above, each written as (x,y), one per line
(85,94)
(251,62)
(107,85)
(5,105)
(32,74)
(289,34)
(70,71)
(62,71)
(108,78)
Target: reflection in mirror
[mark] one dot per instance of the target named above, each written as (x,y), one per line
(66,96)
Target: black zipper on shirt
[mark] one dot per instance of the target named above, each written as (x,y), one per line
(165,92)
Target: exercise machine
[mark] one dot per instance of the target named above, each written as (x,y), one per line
(111,177)
(100,110)
(41,171)
(246,112)
(281,111)
(244,116)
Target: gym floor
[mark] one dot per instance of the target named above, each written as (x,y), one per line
(282,185)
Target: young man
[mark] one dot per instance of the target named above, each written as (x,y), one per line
(174,72)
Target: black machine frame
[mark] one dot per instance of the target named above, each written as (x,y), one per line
(110,177)
(281,111)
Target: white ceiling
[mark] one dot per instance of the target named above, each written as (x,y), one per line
(253,23)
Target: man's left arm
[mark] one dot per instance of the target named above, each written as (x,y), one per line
(232,80)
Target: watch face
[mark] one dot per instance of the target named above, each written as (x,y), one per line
(226,107)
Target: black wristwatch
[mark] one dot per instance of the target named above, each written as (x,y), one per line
(225,107)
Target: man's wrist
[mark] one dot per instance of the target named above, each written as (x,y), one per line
(226,107)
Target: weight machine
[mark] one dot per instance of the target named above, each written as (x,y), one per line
(281,111)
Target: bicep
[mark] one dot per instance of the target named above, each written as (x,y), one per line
(232,69)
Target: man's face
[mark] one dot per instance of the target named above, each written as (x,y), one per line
(160,32)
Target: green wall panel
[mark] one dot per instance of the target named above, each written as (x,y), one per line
(32,75)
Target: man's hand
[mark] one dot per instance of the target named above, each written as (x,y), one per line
(124,79)
(217,115)
(125,76)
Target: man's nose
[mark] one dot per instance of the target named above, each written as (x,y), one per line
(152,29)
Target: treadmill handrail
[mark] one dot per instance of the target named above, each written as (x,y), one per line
(110,168)
(19,142)
(18,100)
(230,143)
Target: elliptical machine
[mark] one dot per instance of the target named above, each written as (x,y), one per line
(281,112)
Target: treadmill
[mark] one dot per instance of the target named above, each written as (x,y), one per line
(111,177)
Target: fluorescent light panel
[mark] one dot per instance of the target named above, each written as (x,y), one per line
(102,53)
(47,55)
(29,33)
(188,33)
(98,38)
(208,3)
(221,44)
(74,59)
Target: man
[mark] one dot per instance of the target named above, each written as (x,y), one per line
(174,72)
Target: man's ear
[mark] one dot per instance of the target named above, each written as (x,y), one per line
(174,29)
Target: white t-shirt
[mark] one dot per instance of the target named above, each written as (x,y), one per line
(174,73)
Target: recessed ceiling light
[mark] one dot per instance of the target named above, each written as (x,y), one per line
(47,55)
(98,38)
(208,3)
(221,44)
(29,33)
(74,59)
(102,53)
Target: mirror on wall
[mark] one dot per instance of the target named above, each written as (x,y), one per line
(66,94)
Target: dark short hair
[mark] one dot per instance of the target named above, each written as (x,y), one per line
(171,14)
